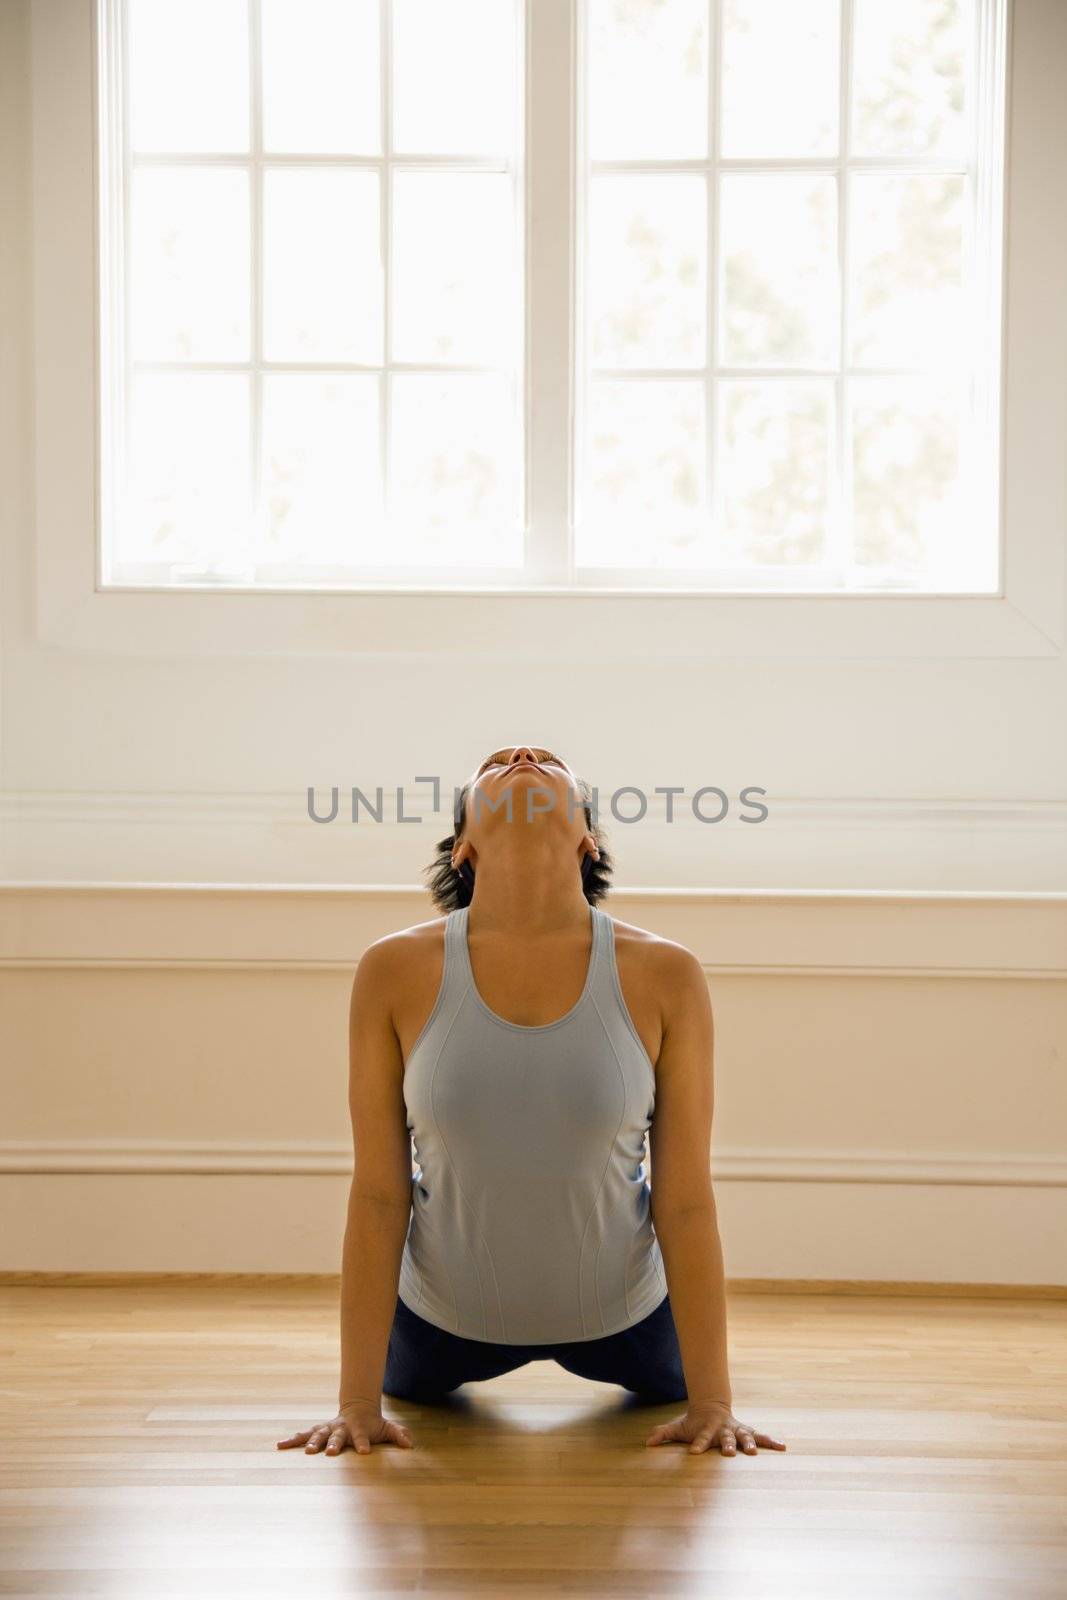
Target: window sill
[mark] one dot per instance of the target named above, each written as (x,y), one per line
(535,625)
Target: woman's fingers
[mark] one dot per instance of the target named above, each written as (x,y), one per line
(728,1439)
(334,1436)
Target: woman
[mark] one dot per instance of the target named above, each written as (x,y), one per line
(528,1042)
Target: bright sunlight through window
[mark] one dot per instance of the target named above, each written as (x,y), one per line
(781,317)
(791,294)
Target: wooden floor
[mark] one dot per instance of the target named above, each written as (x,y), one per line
(926,1459)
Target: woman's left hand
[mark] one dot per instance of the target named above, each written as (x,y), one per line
(703,1427)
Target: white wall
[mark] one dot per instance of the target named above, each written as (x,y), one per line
(174,736)
(173,742)
(890,1094)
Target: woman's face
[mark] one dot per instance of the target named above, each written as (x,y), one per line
(524,783)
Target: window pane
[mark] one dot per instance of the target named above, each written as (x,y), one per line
(188,495)
(905,463)
(189,264)
(453,493)
(455,78)
(779,270)
(645,478)
(321,468)
(321,77)
(774,464)
(188,75)
(780,77)
(454,267)
(910,68)
(906,306)
(322,266)
(647,270)
(647,78)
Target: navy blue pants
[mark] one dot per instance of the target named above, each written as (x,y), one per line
(425,1362)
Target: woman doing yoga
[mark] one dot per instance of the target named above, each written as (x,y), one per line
(527,1042)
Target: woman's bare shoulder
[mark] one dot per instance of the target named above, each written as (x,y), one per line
(657,945)
(393,952)
(663,960)
(399,968)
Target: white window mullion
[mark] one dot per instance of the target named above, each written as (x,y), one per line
(839,556)
(552,227)
(385,392)
(255,202)
(987,177)
(113,179)
(711,388)
(123,366)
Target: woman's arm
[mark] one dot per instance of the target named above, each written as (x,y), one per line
(683,1201)
(379,1201)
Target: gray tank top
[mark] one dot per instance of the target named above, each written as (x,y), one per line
(530,1219)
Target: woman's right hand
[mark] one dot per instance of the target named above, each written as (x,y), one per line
(358,1426)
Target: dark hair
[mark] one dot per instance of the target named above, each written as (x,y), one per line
(450,889)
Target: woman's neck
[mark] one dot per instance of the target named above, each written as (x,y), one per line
(527,892)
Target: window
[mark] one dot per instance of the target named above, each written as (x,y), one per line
(790,331)
(316,244)
(378,310)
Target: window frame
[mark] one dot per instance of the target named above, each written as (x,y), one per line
(1023,619)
